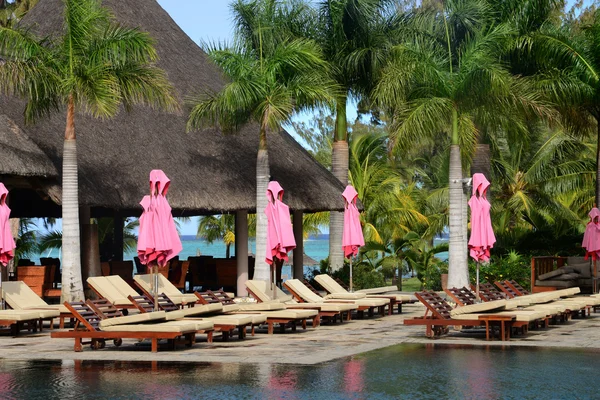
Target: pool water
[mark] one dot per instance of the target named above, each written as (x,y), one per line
(405,371)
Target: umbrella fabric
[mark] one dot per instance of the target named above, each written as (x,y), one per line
(158,240)
(482,235)
(280,235)
(7,243)
(352,235)
(591,237)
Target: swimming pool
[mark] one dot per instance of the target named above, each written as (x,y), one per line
(404,371)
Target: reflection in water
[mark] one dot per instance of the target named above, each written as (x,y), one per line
(354,373)
(406,371)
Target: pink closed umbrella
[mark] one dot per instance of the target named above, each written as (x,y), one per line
(7,242)
(352,235)
(280,235)
(482,235)
(591,240)
(158,240)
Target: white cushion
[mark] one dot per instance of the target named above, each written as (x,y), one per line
(163,327)
(133,319)
(480,307)
(20,296)
(377,290)
(18,315)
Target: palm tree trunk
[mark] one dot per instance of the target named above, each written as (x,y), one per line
(339,168)
(598,164)
(261,268)
(72,285)
(227,250)
(458,275)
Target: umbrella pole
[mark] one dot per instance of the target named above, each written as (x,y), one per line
(350,273)
(155,285)
(477,291)
(274,275)
(1,294)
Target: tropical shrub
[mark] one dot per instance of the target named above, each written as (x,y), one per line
(513,266)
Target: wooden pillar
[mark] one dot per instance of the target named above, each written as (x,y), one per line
(90,248)
(118,226)
(241,251)
(298,264)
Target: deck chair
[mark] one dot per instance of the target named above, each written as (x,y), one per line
(487,292)
(336,290)
(304,295)
(439,316)
(263,293)
(16,320)
(517,287)
(144,282)
(114,289)
(112,325)
(19,296)
(221,323)
(531,316)
(274,312)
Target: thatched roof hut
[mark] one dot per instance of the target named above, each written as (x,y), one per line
(210,173)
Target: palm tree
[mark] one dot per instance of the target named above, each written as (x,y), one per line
(93,67)
(356,36)
(271,75)
(213,227)
(448,76)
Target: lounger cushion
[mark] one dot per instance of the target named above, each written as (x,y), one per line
(346,296)
(304,292)
(230,319)
(291,314)
(18,315)
(123,287)
(46,313)
(230,308)
(525,316)
(187,312)
(368,302)
(264,292)
(480,307)
(567,277)
(163,327)
(184,298)
(256,318)
(20,296)
(582,268)
(556,272)
(555,283)
(199,324)
(332,287)
(133,319)
(261,306)
(107,290)
(378,290)
(333,307)
(166,287)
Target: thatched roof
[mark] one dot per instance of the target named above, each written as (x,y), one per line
(210,173)
(19,155)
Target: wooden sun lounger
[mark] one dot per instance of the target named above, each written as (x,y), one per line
(437,318)
(518,289)
(100,292)
(87,326)
(16,320)
(146,304)
(332,287)
(507,289)
(210,297)
(325,312)
(316,298)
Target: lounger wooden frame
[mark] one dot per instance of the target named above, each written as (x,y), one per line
(87,327)
(16,326)
(437,318)
(487,292)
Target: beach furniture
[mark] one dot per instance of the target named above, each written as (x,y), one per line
(439,315)
(263,293)
(304,295)
(19,296)
(534,316)
(334,289)
(488,292)
(275,312)
(144,282)
(18,319)
(113,325)
(224,323)
(114,289)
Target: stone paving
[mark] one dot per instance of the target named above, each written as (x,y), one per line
(325,343)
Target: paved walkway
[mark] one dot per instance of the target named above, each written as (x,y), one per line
(327,342)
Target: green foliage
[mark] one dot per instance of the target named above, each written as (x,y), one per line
(364,275)
(513,266)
